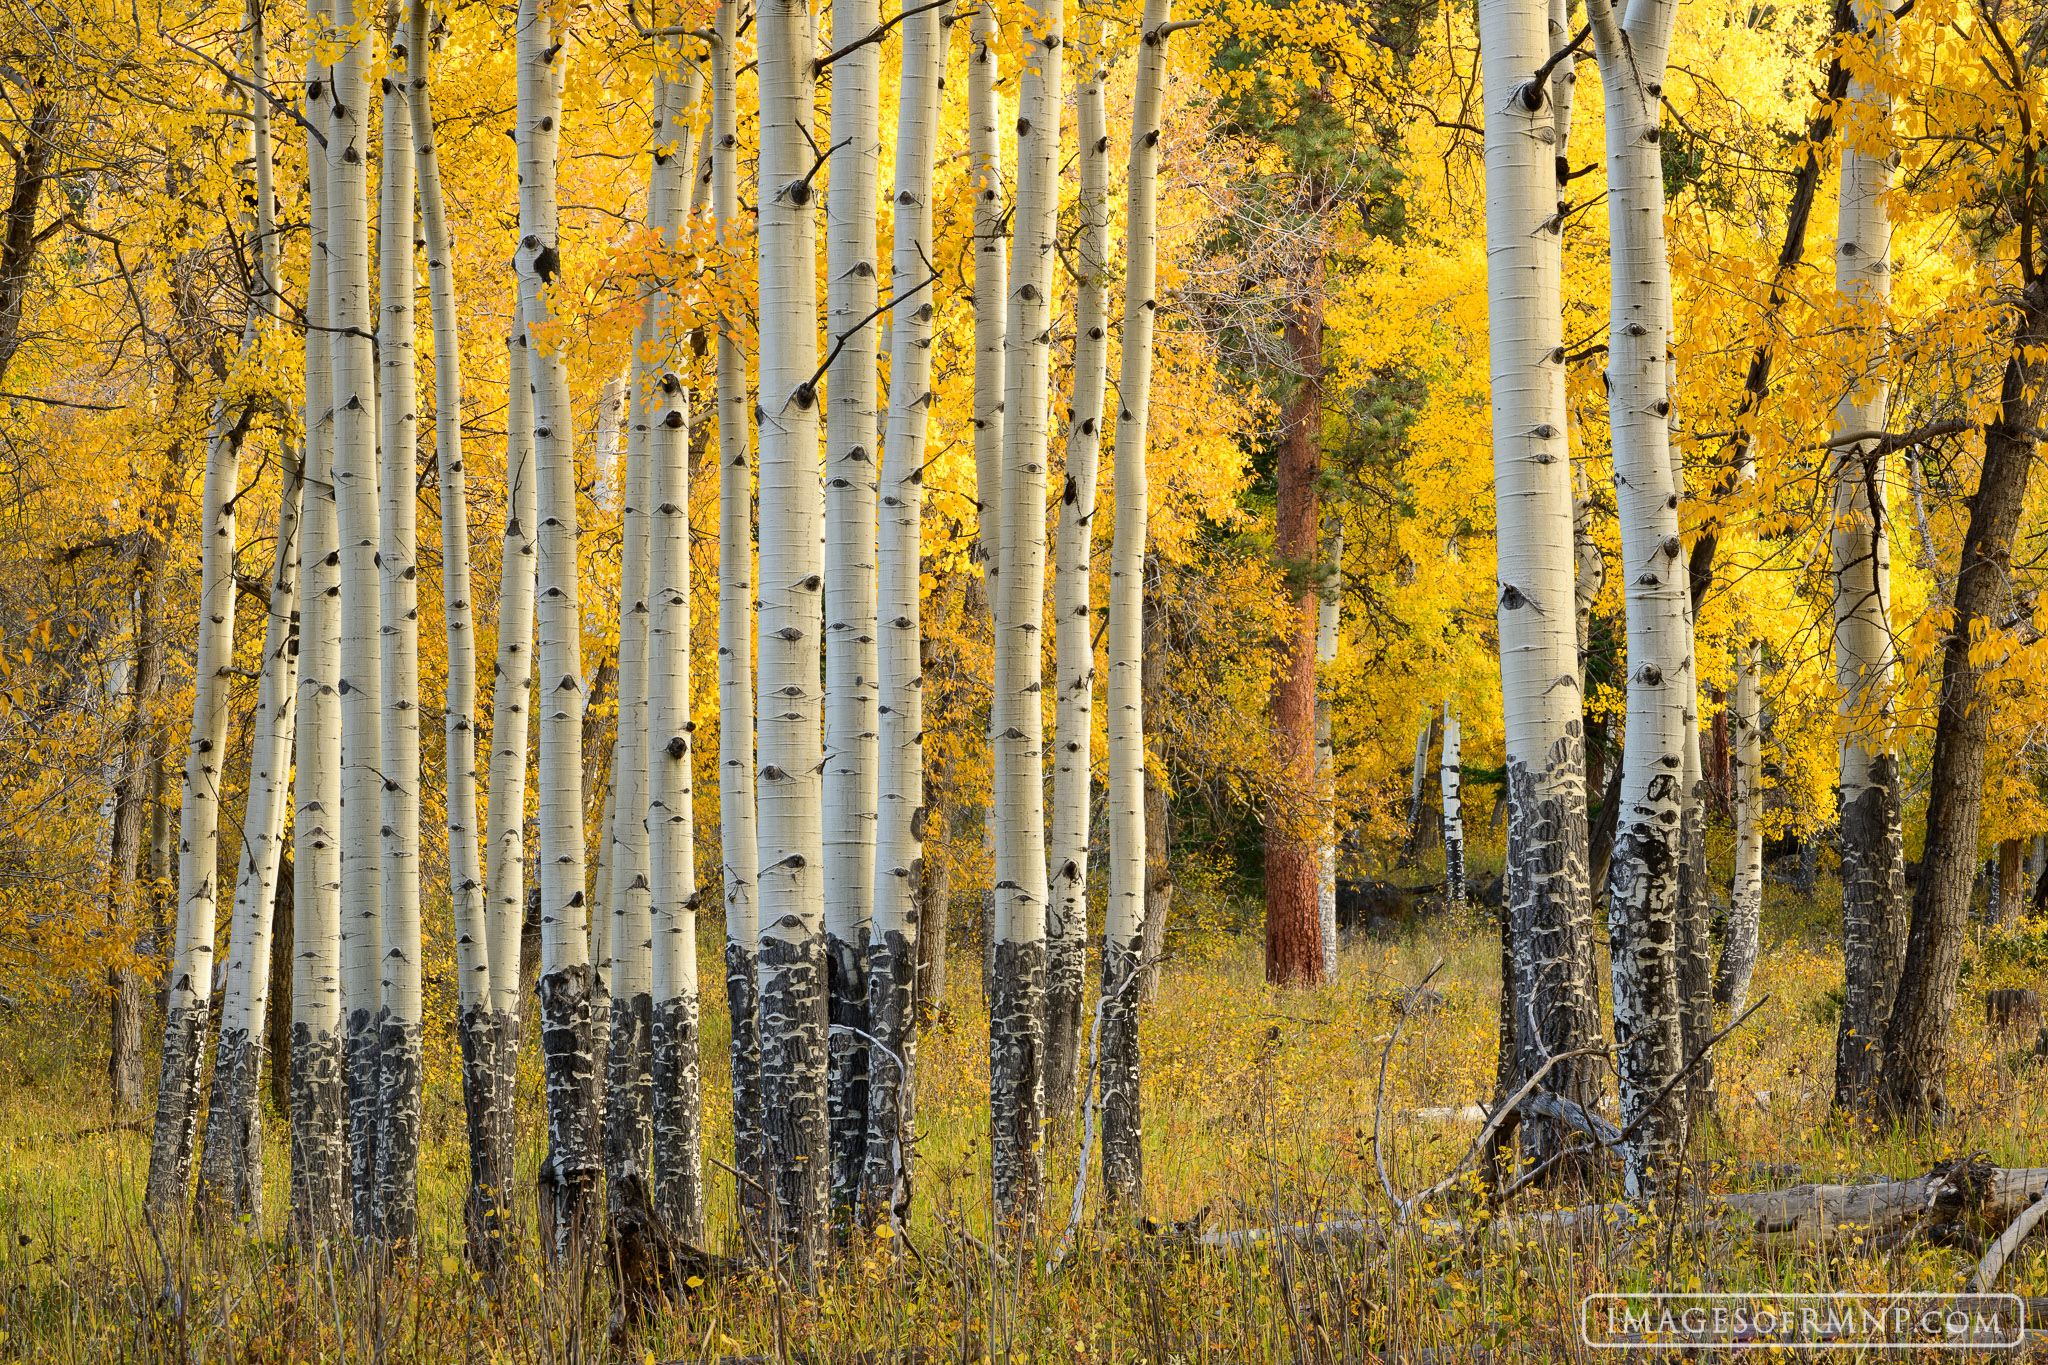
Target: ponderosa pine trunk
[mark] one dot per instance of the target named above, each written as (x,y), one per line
(852,423)
(789,834)
(1546,902)
(358,679)
(736,824)
(1066,928)
(1017,1009)
(899,872)
(1329,617)
(1918,1033)
(1868,788)
(399,1019)
(231,1160)
(1294,946)
(319,1090)
(570,1174)
(1123,921)
(1644,910)
(491,1061)
(1746,893)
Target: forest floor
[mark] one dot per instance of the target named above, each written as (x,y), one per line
(1261,1109)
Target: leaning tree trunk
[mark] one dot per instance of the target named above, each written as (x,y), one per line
(351,316)
(1066,928)
(1643,900)
(851,426)
(790,837)
(1016,1019)
(1329,618)
(1123,921)
(1868,788)
(1452,782)
(736,830)
(569,1177)
(1919,1030)
(231,1162)
(899,873)
(399,1063)
(491,1050)
(188,1001)
(677,1117)
(1545,898)
(1746,894)
(319,1096)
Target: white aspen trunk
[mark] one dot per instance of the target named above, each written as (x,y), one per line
(790,835)
(231,1162)
(1329,619)
(1746,896)
(739,854)
(614,408)
(399,1064)
(991,287)
(1590,574)
(629,1056)
(1066,928)
(899,859)
(505,830)
(1452,781)
(1017,1015)
(477,1038)
(1695,900)
(852,426)
(1123,922)
(677,1112)
(566,987)
(1418,781)
(188,999)
(319,1099)
(351,316)
(1874,901)
(1546,906)
(1644,893)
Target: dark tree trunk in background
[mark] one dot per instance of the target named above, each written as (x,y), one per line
(1294,944)
(18,236)
(277,1022)
(1918,1032)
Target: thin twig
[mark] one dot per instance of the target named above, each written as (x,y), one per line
(1088,1108)
(1379,1108)
(874,35)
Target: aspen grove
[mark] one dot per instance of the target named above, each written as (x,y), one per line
(763,679)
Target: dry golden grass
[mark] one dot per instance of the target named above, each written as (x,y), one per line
(1260,1109)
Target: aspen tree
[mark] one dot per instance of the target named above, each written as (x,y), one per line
(319,1193)
(1066,929)
(736,824)
(614,407)
(852,425)
(1874,905)
(491,1124)
(355,491)
(899,861)
(231,1162)
(1329,617)
(1452,782)
(991,287)
(1643,908)
(1016,1018)
(789,833)
(399,1020)
(1694,906)
(1746,896)
(677,1114)
(629,1055)
(188,1001)
(1547,907)
(1123,921)
(566,986)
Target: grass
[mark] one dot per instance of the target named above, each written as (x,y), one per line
(1261,1109)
